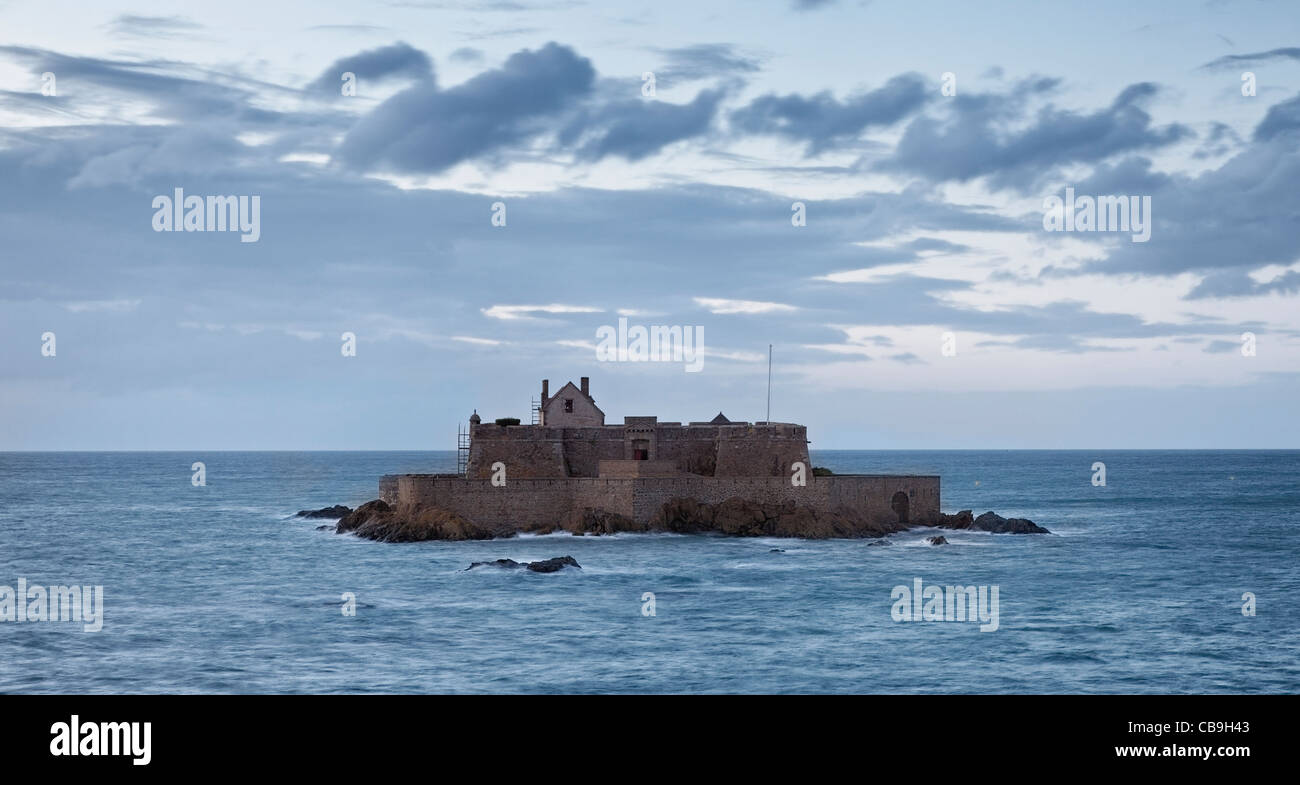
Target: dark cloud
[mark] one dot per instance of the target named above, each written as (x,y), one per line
(1289,52)
(176,91)
(399,60)
(983,136)
(1221,140)
(1229,220)
(1282,118)
(466,54)
(424,129)
(639,128)
(1234,283)
(823,121)
(704,61)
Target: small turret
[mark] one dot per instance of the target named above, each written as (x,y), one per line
(474,419)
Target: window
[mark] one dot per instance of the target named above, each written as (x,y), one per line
(568,405)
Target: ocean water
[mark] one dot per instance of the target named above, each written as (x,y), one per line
(219,589)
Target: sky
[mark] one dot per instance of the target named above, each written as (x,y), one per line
(456,197)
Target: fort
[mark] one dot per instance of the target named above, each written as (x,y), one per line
(568,469)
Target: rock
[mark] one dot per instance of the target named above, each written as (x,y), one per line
(377,520)
(992,522)
(325,527)
(777,550)
(508,564)
(337,511)
(988,522)
(591,520)
(940,540)
(547,565)
(962,520)
(553,565)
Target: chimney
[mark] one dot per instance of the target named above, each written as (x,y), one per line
(546,386)
(586,383)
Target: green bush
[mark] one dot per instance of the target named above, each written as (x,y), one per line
(822,471)
(507,421)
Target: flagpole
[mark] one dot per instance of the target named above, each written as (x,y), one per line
(769,382)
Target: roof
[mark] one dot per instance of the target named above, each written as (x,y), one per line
(576,392)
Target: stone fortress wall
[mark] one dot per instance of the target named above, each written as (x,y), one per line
(544,451)
(526,502)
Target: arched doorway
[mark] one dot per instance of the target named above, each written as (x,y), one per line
(899,505)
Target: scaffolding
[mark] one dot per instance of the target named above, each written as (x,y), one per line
(536,408)
(462,449)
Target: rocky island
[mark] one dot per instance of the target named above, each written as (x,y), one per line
(571,472)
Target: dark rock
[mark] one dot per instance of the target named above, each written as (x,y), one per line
(591,520)
(553,565)
(940,540)
(508,564)
(546,565)
(992,522)
(324,527)
(777,550)
(337,511)
(378,520)
(988,522)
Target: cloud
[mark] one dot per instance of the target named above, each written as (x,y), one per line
(704,61)
(639,128)
(721,306)
(109,306)
(1282,53)
(1221,347)
(984,136)
(133,26)
(823,121)
(399,60)
(424,129)
(466,54)
(515,312)
(1234,283)
(1282,119)
(1240,216)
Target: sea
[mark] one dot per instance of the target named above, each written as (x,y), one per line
(1179,574)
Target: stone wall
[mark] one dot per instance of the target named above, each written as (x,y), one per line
(543,451)
(529,503)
